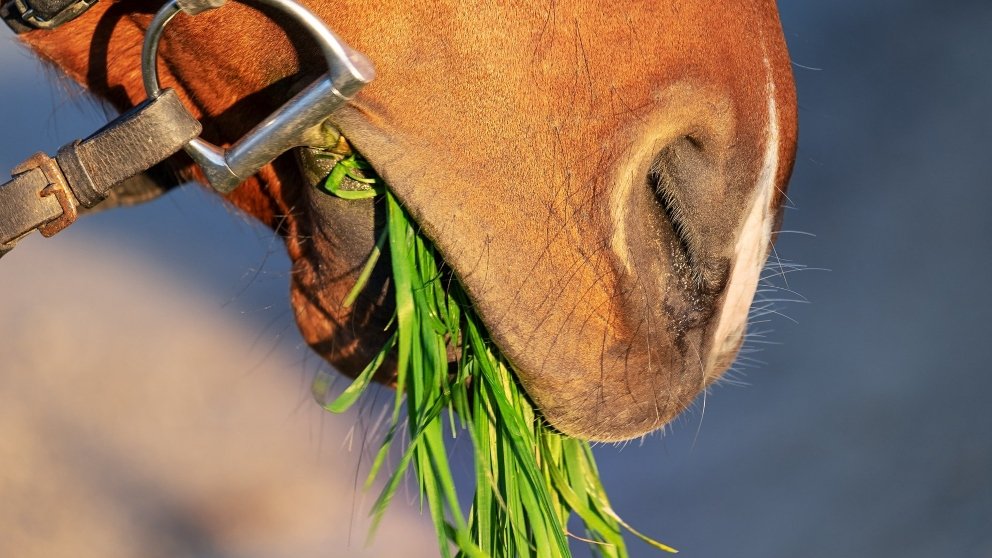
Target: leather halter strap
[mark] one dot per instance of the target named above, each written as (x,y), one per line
(46,192)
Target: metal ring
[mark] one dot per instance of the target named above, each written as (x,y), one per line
(297,122)
(343,62)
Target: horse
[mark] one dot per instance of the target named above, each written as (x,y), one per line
(605,179)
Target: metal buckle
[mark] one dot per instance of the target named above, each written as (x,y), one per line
(57,187)
(32,18)
(297,123)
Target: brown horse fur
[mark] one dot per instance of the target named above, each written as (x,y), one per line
(604,178)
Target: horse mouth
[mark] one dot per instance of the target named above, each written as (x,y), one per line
(342,233)
(609,345)
(371,311)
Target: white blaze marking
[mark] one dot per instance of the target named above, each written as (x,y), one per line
(752,244)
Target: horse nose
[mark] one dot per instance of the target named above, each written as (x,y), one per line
(689,190)
(690,217)
(702,190)
(682,189)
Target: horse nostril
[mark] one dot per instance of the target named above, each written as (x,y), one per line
(687,185)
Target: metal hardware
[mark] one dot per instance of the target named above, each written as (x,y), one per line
(46,193)
(23,15)
(35,179)
(299,122)
(58,187)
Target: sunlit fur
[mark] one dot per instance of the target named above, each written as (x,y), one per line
(521,136)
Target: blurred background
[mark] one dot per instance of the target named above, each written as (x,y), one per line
(168,412)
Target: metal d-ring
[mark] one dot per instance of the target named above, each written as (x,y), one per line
(296,123)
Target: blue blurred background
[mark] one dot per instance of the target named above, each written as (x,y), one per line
(866,428)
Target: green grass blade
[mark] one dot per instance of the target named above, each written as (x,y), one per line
(351,394)
(363,277)
(528,479)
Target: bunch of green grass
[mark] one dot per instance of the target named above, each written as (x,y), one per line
(529,479)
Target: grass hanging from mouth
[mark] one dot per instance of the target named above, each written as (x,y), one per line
(529,479)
